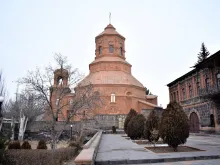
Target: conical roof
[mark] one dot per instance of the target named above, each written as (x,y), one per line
(109,30)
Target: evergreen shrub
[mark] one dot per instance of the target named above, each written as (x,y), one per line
(41,145)
(26,145)
(131,114)
(151,124)
(136,127)
(14,145)
(114,130)
(174,127)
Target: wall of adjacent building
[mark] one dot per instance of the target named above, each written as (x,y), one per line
(192,102)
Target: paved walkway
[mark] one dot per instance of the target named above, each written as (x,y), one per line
(118,150)
(195,162)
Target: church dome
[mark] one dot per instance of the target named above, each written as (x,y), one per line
(110,78)
(110,30)
(110,66)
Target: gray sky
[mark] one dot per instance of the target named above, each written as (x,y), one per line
(163,38)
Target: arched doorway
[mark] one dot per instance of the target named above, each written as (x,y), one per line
(194,122)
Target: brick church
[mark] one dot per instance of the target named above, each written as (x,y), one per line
(111,75)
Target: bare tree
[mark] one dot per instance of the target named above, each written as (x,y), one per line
(54,92)
(2,94)
(24,109)
(2,85)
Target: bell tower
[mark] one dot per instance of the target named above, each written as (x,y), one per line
(59,90)
(110,43)
(61,78)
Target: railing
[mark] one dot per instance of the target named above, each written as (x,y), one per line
(211,90)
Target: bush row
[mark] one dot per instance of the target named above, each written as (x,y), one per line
(26,145)
(173,127)
(37,157)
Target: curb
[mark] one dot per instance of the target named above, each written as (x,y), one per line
(207,135)
(159,160)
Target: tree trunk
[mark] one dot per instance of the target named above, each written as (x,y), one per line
(1,121)
(53,137)
(80,138)
(22,128)
(12,129)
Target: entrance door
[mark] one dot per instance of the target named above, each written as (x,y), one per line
(194,122)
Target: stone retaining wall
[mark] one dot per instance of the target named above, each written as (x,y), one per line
(88,154)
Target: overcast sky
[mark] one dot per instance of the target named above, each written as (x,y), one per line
(163,37)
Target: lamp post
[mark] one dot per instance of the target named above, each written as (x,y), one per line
(1,116)
(71,131)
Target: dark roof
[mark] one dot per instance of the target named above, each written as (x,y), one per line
(207,60)
(196,67)
(182,77)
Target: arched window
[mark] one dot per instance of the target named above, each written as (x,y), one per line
(177,96)
(71,101)
(111,49)
(112,98)
(198,87)
(60,80)
(218,80)
(190,91)
(121,51)
(183,94)
(212,122)
(174,96)
(57,102)
(207,83)
(100,50)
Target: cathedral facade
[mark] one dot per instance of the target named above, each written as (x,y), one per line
(110,75)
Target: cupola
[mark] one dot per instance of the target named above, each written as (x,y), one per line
(110,43)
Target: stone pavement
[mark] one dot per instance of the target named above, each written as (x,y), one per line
(115,149)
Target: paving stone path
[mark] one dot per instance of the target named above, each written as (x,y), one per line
(116,149)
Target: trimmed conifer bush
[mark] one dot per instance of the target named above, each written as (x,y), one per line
(26,145)
(152,124)
(131,114)
(2,148)
(41,145)
(113,129)
(14,145)
(136,127)
(174,127)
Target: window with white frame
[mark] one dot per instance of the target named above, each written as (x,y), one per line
(71,102)
(112,98)
(100,50)
(111,49)
(57,102)
(121,51)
